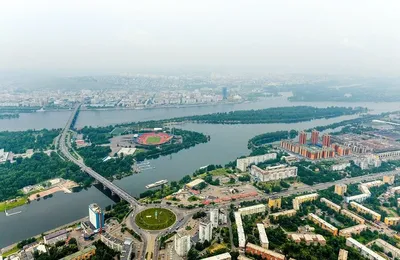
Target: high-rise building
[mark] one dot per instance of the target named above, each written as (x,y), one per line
(326,140)
(205,231)
(96,216)
(314,137)
(224,93)
(302,137)
(182,244)
(214,217)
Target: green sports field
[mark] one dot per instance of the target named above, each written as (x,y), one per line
(153,140)
(155,219)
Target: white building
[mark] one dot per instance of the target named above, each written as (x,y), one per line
(263,236)
(358,198)
(205,231)
(224,256)
(259,208)
(388,248)
(273,173)
(182,244)
(240,230)
(243,163)
(340,166)
(96,216)
(364,251)
(214,217)
(3,156)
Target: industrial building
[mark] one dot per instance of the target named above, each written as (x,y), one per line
(255,209)
(181,244)
(54,237)
(274,203)
(263,236)
(300,199)
(323,224)
(240,231)
(352,216)
(331,205)
(273,173)
(392,221)
(365,210)
(348,232)
(205,231)
(96,216)
(264,253)
(286,213)
(340,189)
(364,251)
(243,163)
(388,248)
(224,256)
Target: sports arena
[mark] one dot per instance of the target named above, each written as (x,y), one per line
(153,138)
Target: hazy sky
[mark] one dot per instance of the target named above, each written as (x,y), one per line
(352,37)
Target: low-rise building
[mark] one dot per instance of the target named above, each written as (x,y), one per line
(263,236)
(340,166)
(353,216)
(331,205)
(287,213)
(347,232)
(194,183)
(243,163)
(300,199)
(343,254)
(388,248)
(112,242)
(54,237)
(84,254)
(340,189)
(275,203)
(365,210)
(255,209)
(323,224)
(309,239)
(240,230)
(264,253)
(224,256)
(395,190)
(392,221)
(273,173)
(364,251)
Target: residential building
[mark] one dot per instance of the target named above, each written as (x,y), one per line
(300,199)
(302,138)
(389,155)
(84,254)
(243,163)
(340,189)
(259,208)
(323,224)
(96,216)
(181,244)
(223,217)
(111,241)
(340,167)
(3,156)
(309,239)
(388,248)
(353,216)
(273,173)
(54,237)
(242,257)
(365,251)
(357,198)
(326,140)
(389,179)
(331,205)
(263,236)
(392,221)
(214,217)
(365,210)
(314,137)
(240,231)
(264,253)
(287,213)
(275,203)
(343,254)
(348,232)
(205,231)
(224,256)
(395,189)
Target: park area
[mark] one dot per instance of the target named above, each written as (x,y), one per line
(155,219)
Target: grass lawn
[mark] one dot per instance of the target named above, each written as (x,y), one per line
(10,205)
(216,247)
(155,219)
(153,140)
(10,252)
(216,172)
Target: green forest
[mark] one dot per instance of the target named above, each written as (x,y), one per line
(19,142)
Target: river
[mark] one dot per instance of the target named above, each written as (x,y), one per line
(227,143)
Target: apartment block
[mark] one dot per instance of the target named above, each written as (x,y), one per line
(388,248)
(365,210)
(264,253)
(243,163)
(340,189)
(259,208)
(357,198)
(331,205)
(389,179)
(273,173)
(240,230)
(309,239)
(343,254)
(392,221)
(275,203)
(357,229)
(287,213)
(364,251)
(353,216)
(323,224)
(300,199)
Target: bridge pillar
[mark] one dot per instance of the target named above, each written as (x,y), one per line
(112,193)
(104,187)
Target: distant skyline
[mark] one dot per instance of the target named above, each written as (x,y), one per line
(244,37)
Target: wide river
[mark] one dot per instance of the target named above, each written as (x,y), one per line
(227,143)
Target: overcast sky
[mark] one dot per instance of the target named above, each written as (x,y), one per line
(351,37)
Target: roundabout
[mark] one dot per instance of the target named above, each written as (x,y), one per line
(155,219)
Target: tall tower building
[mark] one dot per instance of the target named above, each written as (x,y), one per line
(182,244)
(224,93)
(205,231)
(96,216)
(314,137)
(302,138)
(214,217)
(326,140)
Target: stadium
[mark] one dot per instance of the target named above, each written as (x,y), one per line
(153,138)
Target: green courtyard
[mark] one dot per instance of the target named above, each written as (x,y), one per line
(155,219)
